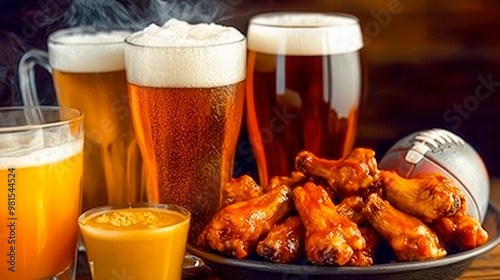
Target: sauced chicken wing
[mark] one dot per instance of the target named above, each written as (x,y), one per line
(236,229)
(284,242)
(426,196)
(350,175)
(366,256)
(409,237)
(330,238)
(296,178)
(351,207)
(460,232)
(240,189)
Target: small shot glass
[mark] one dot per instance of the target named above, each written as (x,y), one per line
(136,241)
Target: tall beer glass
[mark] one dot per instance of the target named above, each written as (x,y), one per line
(88,71)
(303,87)
(41,166)
(186,89)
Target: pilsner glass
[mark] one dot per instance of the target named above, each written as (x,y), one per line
(88,72)
(303,87)
(41,167)
(186,89)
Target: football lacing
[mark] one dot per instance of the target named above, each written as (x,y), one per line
(437,139)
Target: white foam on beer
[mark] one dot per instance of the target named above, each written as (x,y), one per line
(304,34)
(88,53)
(36,156)
(179,54)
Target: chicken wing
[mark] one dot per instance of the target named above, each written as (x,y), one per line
(330,238)
(350,175)
(236,229)
(296,178)
(240,189)
(366,256)
(284,242)
(460,232)
(351,207)
(409,237)
(426,196)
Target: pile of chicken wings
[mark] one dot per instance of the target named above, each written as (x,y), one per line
(343,212)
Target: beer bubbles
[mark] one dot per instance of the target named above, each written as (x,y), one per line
(186,86)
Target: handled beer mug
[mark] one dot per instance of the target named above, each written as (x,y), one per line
(88,72)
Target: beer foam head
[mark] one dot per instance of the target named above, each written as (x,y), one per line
(295,33)
(87,52)
(179,54)
(39,152)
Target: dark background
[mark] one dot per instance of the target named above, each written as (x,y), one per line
(428,63)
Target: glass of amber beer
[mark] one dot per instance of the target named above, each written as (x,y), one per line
(303,87)
(41,166)
(186,89)
(88,71)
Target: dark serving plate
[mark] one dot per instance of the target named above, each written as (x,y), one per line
(450,267)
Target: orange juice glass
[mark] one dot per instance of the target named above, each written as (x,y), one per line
(41,165)
(137,241)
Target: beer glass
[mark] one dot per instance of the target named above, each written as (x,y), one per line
(88,72)
(303,87)
(41,166)
(186,88)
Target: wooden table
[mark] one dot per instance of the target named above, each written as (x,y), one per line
(484,267)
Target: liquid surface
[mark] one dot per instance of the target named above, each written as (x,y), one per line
(133,219)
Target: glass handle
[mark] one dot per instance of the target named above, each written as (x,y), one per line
(26,73)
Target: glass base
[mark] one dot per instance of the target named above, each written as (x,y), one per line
(69,274)
(192,266)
